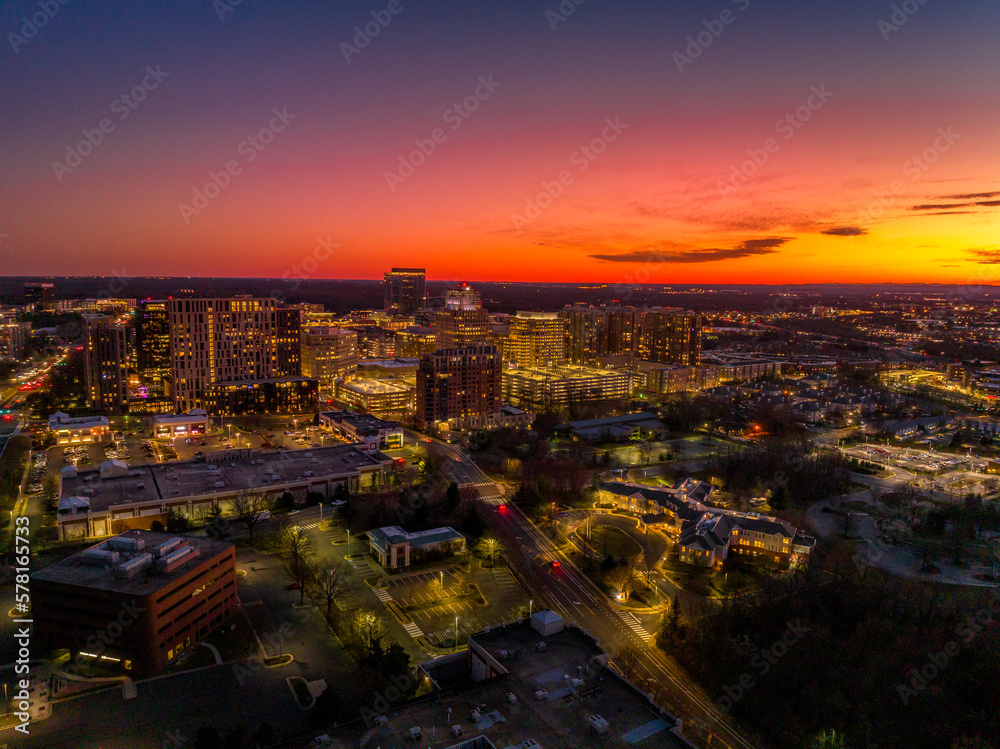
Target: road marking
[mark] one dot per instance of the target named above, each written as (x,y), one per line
(383,595)
(413,630)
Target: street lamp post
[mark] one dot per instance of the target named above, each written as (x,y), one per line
(348,542)
(456,634)
(530,604)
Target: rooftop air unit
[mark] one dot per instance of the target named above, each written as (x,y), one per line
(134,566)
(99,557)
(126,543)
(176,558)
(167,546)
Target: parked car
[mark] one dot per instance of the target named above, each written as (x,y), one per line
(293,586)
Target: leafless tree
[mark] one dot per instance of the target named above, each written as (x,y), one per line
(297,549)
(250,509)
(332,581)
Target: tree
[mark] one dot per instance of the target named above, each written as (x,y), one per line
(156,525)
(623,578)
(332,580)
(627,662)
(453,495)
(207,738)
(297,548)
(177,521)
(827,740)
(369,629)
(250,509)
(490,547)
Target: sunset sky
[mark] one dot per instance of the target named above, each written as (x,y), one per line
(889,169)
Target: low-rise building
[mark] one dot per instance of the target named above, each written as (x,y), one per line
(556,387)
(396,547)
(276,395)
(135,601)
(380,397)
(374,433)
(69,430)
(92,505)
(176,425)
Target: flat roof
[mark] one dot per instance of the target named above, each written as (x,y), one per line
(375,387)
(164,482)
(559,719)
(75,571)
(562,372)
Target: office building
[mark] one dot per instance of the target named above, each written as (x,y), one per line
(404,290)
(153,594)
(458,383)
(152,346)
(239,340)
(40,296)
(457,327)
(415,340)
(329,353)
(536,339)
(106,362)
(463,296)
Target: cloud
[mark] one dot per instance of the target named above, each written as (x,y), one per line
(938,206)
(985,255)
(989,202)
(845,231)
(749,248)
(971,196)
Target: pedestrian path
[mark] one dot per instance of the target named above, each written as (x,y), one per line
(413,630)
(633,623)
(383,595)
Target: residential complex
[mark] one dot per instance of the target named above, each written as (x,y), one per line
(456,384)
(329,353)
(536,339)
(107,362)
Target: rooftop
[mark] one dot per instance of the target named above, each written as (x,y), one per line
(172,481)
(562,372)
(85,570)
(577,686)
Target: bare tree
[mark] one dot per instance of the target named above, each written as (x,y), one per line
(332,581)
(369,629)
(627,662)
(297,549)
(250,509)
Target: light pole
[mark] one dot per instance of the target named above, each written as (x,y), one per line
(531,603)
(348,543)
(456,634)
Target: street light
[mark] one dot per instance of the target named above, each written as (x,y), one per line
(530,604)
(456,634)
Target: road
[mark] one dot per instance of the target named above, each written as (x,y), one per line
(572,595)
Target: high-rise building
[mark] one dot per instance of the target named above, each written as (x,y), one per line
(457,327)
(329,353)
(242,339)
(152,345)
(671,337)
(593,333)
(536,339)
(463,296)
(14,339)
(457,384)
(415,340)
(41,296)
(107,362)
(404,290)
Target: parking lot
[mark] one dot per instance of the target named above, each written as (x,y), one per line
(417,593)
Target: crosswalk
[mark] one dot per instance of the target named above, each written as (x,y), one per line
(382,595)
(307,527)
(504,580)
(633,623)
(413,630)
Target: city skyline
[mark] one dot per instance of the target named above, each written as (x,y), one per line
(681,145)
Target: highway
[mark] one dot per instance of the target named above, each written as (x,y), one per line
(571,594)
